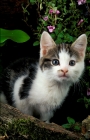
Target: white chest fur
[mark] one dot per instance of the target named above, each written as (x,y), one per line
(47,92)
(46,95)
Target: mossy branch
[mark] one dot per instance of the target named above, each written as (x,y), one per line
(15,125)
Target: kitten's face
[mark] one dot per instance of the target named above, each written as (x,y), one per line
(62,65)
(62,62)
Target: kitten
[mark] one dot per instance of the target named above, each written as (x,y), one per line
(39,88)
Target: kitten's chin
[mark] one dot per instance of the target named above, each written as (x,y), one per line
(63,79)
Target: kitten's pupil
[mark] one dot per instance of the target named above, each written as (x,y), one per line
(55,62)
(72,63)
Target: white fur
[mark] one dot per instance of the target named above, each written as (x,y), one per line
(45,95)
(64,59)
(49,94)
(48,90)
(16,98)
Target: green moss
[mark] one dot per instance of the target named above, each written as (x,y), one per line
(26,130)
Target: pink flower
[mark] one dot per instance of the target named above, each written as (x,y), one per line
(51,28)
(45,18)
(54,11)
(57,12)
(88,92)
(51,11)
(81,20)
(80,2)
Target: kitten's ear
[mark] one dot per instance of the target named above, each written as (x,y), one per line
(46,43)
(80,45)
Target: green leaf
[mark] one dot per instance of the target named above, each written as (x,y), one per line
(61,35)
(80,100)
(88,1)
(65,11)
(2,44)
(3,35)
(60,26)
(86,105)
(67,126)
(88,48)
(53,35)
(88,33)
(55,8)
(77,127)
(36,43)
(70,120)
(18,36)
(58,40)
(56,32)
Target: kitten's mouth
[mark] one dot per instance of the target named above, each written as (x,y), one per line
(63,76)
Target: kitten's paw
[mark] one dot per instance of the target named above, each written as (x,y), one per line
(47,121)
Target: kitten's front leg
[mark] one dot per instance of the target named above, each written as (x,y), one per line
(46,116)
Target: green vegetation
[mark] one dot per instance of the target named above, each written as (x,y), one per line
(72,125)
(23,129)
(18,36)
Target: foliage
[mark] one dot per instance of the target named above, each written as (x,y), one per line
(71,125)
(24,129)
(63,19)
(18,36)
(84,100)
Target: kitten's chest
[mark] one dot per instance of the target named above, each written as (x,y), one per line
(47,92)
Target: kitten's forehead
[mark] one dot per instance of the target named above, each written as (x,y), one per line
(64,52)
(63,55)
(62,49)
(66,49)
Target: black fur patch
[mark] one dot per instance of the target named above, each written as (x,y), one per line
(27,82)
(13,72)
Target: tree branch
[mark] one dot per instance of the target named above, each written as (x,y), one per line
(40,129)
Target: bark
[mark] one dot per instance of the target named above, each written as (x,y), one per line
(86,127)
(37,129)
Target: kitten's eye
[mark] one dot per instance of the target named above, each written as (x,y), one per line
(72,63)
(55,62)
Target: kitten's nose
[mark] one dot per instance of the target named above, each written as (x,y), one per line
(64,70)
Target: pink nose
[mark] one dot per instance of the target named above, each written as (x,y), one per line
(64,70)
